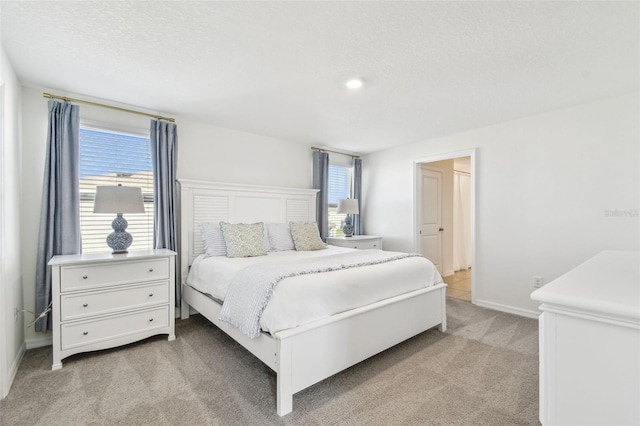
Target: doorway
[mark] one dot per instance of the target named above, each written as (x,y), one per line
(444,200)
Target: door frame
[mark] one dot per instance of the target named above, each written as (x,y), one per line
(4,368)
(417,202)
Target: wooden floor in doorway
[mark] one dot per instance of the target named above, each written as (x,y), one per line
(459,285)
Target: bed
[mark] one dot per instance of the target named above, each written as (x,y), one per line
(316,348)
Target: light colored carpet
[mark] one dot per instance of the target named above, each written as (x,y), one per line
(483,370)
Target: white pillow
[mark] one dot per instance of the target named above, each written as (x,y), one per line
(243,240)
(306,236)
(265,238)
(213,239)
(280,237)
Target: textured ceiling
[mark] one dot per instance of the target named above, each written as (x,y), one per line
(277,68)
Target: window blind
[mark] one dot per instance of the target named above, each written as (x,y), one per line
(111,158)
(339,183)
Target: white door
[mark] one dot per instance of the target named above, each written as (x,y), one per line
(431,221)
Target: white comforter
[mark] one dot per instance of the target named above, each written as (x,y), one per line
(302,299)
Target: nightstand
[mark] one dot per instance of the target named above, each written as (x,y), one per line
(357,242)
(106,300)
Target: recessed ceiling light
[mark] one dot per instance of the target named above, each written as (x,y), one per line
(354,83)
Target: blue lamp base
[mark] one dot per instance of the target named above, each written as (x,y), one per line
(347,228)
(119,240)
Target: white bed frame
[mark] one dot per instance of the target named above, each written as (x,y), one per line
(304,355)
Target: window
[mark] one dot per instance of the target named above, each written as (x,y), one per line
(339,184)
(110,158)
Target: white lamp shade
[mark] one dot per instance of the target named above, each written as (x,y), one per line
(118,199)
(348,206)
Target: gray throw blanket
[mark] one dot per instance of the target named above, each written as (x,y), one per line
(250,290)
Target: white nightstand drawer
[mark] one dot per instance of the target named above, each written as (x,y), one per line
(370,244)
(360,242)
(94,331)
(79,305)
(88,276)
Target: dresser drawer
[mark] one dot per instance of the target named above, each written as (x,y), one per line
(88,276)
(94,331)
(365,244)
(80,305)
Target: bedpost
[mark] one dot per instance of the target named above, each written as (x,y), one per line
(184,308)
(443,323)
(186,229)
(284,401)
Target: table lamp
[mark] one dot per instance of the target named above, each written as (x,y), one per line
(348,206)
(119,200)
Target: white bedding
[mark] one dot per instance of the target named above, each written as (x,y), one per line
(302,299)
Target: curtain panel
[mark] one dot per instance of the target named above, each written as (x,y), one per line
(461,221)
(164,157)
(60,210)
(357,195)
(321,182)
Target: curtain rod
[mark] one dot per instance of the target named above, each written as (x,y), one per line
(159,117)
(315,148)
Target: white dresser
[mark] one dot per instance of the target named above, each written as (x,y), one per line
(357,242)
(104,300)
(590,343)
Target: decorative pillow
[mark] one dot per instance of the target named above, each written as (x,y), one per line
(214,244)
(280,237)
(306,236)
(243,239)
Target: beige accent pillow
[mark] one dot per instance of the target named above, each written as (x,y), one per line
(306,236)
(243,239)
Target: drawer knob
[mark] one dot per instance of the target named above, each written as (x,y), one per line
(355,246)
(85,333)
(84,305)
(150,269)
(150,319)
(150,294)
(84,277)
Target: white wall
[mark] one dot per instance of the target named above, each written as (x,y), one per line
(204,152)
(543,185)
(11,331)
(226,155)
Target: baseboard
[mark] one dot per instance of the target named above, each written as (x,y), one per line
(508,309)
(13,370)
(14,367)
(39,342)
(448,273)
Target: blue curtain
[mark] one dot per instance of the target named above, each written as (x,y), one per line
(164,157)
(357,195)
(321,182)
(60,211)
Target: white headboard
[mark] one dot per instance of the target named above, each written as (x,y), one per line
(203,201)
